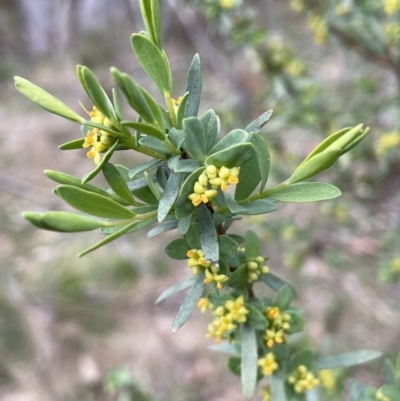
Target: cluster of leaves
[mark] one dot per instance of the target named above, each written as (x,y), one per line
(187,156)
(390,391)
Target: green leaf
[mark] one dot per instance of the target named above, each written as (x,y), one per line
(153,163)
(67,179)
(176,288)
(278,392)
(348,359)
(249,361)
(297,323)
(145,128)
(249,178)
(233,364)
(187,166)
(134,94)
(156,19)
(234,137)
(284,297)
(306,192)
(234,208)
(176,137)
(155,144)
(233,156)
(239,277)
(390,391)
(109,239)
(195,141)
(184,224)
(259,122)
(63,221)
(169,195)
(208,235)
(389,372)
(180,114)
(112,132)
(255,318)
(315,165)
(153,187)
(227,246)
(274,282)
(193,86)
(263,157)
(162,228)
(189,304)
(72,145)
(92,203)
(153,62)
(304,357)
(107,156)
(96,93)
(193,236)
(252,245)
(177,249)
(261,206)
(183,206)
(210,125)
(45,100)
(141,224)
(117,183)
(117,105)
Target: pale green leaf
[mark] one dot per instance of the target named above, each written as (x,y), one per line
(348,359)
(176,288)
(306,192)
(249,361)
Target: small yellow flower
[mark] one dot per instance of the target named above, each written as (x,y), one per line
(227,4)
(268,364)
(271,337)
(97,139)
(391,7)
(273,312)
(266,393)
(302,380)
(387,142)
(319,28)
(203,304)
(379,396)
(295,68)
(176,103)
(327,379)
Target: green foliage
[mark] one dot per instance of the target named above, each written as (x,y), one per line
(184,186)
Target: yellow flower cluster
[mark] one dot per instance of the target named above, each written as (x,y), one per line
(257,267)
(302,379)
(319,28)
(227,4)
(226,317)
(295,68)
(391,7)
(386,142)
(210,180)
(381,397)
(327,379)
(98,139)
(297,5)
(395,265)
(392,32)
(268,364)
(198,263)
(278,324)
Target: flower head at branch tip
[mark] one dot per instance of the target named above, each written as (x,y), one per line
(256,267)
(212,178)
(302,379)
(391,7)
(98,139)
(268,364)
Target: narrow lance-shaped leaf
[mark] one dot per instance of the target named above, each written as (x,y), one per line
(249,361)
(195,141)
(194,86)
(263,157)
(145,129)
(156,22)
(233,156)
(117,183)
(306,192)
(278,392)
(97,94)
(169,195)
(259,122)
(72,145)
(107,156)
(208,235)
(189,304)
(92,203)
(45,100)
(176,288)
(348,359)
(109,239)
(153,62)
(162,228)
(153,188)
(252,245)
(63,221)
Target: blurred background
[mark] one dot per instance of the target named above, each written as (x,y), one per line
(87,329)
